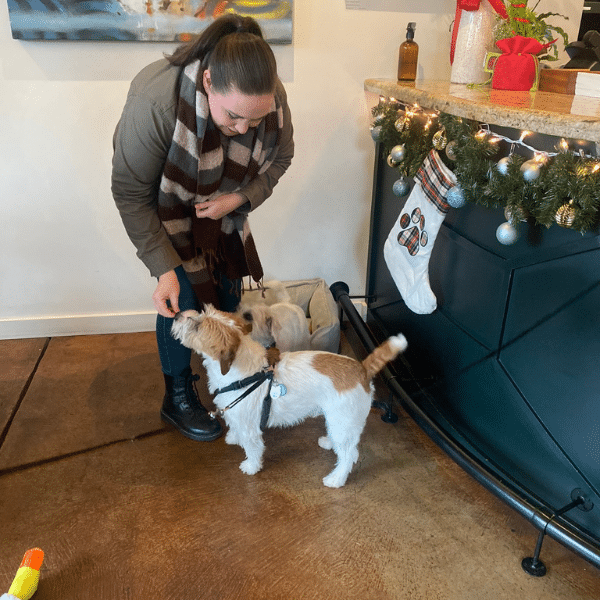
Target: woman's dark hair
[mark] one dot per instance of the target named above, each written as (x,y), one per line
(234,50)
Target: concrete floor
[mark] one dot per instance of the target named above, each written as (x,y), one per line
(125,508)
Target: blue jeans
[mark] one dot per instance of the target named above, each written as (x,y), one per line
(174,357)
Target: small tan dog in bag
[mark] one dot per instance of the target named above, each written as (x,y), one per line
(277,320)
(257,388)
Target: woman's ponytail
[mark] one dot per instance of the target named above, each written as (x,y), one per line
(234,50)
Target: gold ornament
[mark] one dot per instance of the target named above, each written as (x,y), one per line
(439,139)
(401,124)
(565,215)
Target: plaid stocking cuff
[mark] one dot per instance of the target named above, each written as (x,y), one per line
(436,179)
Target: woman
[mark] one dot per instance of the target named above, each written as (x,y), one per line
(204,137)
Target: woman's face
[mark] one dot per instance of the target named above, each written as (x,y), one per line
(233,112)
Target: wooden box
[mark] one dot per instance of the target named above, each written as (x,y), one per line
(569,81)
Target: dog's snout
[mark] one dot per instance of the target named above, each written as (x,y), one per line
(184,315)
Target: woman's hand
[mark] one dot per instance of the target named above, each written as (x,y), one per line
(167,289)
(219,207)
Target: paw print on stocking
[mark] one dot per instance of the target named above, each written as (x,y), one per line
(416,236)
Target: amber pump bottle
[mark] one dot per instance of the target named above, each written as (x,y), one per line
(408,55)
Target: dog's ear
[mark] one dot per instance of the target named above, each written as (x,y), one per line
(226,361)
(229,351)
(273,356)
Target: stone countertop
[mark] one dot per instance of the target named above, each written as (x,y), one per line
(574,117)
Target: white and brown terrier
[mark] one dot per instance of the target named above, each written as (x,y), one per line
(308,384)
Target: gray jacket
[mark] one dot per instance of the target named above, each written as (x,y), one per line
(141,143)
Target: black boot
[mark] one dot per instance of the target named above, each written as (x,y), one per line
(182,409)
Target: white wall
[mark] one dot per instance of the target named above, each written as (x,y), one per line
(66,264)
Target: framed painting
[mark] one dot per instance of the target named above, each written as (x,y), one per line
(141,20)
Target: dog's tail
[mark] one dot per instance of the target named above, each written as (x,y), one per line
(384,354)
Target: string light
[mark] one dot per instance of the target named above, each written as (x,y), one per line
(524,134)
(496,138)
(484,131)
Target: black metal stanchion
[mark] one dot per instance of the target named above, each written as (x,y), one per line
(532,564)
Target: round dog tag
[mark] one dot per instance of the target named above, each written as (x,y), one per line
(277,390)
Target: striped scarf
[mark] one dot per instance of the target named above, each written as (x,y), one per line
(202,164)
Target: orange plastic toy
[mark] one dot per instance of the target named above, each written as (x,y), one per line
(26,580)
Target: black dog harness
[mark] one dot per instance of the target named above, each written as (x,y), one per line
(254,381)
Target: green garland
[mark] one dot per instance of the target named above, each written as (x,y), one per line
(566,181)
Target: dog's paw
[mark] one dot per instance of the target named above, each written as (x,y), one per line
(325,443)
(231,438)
(250,467)
(333,480)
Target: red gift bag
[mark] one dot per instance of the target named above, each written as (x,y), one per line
(517,68)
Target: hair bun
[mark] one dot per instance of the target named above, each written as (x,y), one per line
(248,25)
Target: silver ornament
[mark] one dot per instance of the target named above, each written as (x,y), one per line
(503,164)
(507,234)
(530,170)
(376,132)
(451,149)
(391,162)
(401,187)
(398,153)
(455,197)
(378,120)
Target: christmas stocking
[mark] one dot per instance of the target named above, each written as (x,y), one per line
(409,244)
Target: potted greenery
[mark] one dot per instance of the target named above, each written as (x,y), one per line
(524,39)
